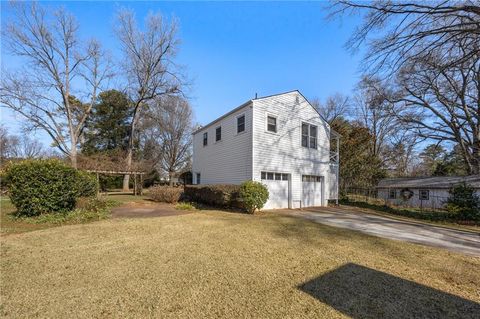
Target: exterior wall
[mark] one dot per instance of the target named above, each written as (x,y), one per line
(282,151)
(333,181)
(228,161)
(437,198)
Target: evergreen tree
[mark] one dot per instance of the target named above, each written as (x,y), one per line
(109,126)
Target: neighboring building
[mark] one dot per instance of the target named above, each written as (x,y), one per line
(431,192)
(279,140)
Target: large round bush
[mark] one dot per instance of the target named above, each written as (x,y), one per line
(254,195)
(46,186)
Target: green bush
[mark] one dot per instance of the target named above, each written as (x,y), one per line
(87,185)
(166,194)
(87,210)
(46,186)
(184,206)
(254,195)
(464,202)
(215,195)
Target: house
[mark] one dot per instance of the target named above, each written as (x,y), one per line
(280,140)
(429,192)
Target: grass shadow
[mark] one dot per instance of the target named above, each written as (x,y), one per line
(361,292)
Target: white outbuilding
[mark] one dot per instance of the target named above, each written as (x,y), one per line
(280,140)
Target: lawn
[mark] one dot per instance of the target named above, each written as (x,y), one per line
(219,264)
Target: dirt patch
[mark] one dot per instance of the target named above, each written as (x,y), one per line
(145,210)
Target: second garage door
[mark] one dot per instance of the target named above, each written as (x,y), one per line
(312,190)
(278,189)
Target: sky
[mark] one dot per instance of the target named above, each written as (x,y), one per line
(232,50)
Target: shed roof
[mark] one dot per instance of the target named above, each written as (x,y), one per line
(429,182)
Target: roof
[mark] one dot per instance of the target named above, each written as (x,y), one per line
(259,98)
(429,182)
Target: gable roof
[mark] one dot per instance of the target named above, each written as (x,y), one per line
(437,182)
(260,98)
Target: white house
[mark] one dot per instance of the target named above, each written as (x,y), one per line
(280,140)
(426,192)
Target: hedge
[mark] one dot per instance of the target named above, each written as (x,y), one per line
(166,194)
(46,186)
(221,195)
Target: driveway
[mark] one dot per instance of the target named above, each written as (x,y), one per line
(455,240)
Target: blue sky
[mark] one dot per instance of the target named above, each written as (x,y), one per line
(232,50)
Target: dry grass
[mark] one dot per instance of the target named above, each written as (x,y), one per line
(214,264)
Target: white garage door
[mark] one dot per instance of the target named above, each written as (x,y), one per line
(278,191)
(312,187)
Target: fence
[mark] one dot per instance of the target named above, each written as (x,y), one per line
(375,197)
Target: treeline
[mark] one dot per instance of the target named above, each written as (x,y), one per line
(124,113)
(416,110)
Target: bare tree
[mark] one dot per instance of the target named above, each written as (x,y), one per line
(375,112)
(148,65)
(13,146)
(397,32)
(336,105)
(441,102)
(56,62)
(168,126)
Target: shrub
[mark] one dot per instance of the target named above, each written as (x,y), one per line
(166,194)
(87,210)
(214,195)
(464,202)
(184,206)
(254,195)
(45,186)
(87,185)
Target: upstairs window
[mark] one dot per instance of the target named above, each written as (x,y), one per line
(240,124)
(272,124)
(309,135)
(218,134)
(205,139)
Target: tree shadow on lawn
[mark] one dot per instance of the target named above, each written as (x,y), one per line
(361,292)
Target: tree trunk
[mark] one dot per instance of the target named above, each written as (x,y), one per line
(170,177)
(126,178)
(73,152)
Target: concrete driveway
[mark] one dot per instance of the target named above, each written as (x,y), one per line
(351,218)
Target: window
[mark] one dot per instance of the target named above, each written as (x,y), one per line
(313,136)
(218,134)
(309,135)
(392,194)
(304,135)
(272,124)
(424,194)
(205,139)
(311,178)
(198,178)
(240,124)
(274,176)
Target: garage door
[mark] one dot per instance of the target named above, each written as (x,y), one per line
(312,187)
(278,191)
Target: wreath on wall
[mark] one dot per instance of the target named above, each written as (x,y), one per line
(406,194)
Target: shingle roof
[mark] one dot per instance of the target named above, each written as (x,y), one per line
(429,182)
